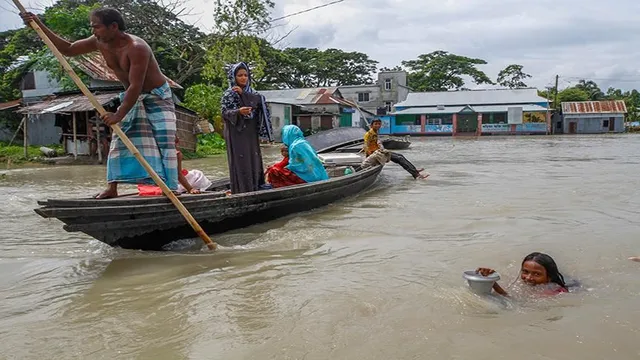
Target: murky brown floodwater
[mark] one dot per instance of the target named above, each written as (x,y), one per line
(372,277)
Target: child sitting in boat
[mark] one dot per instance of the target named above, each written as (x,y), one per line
(189,181)
(537,269)
(278,175)
(300,163)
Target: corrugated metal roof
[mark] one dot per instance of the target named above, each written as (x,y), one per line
(67,104)
(10,104)
(457,109)
(472,97)
(96,67)
(309,96)
(429,110)
(594,107)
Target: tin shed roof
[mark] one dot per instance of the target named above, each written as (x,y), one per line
(308,96)
(472,97)
(10,104)
(67,104)
(594,107)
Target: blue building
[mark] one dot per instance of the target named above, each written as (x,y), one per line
(470,112)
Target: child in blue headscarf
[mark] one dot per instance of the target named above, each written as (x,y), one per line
(303,166)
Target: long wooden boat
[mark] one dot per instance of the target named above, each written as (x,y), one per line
(149,223)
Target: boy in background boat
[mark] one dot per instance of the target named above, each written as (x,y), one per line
(372,144)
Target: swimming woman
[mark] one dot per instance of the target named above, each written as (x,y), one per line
(536,269)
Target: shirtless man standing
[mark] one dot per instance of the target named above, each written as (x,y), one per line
(146,112)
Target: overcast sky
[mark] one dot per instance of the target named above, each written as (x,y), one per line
(572,38)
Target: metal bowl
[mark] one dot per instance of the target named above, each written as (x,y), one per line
(479,284)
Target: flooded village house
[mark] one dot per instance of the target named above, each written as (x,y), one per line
(470,112)
(593,117)
(313,109)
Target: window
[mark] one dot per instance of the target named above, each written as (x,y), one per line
(605,123)
(29,81)
(387,84)
(440,119)
(388,105)
(363,97)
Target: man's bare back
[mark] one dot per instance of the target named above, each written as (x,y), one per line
(119,60)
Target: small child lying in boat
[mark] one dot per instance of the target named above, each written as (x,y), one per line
(189,181)
(537,269)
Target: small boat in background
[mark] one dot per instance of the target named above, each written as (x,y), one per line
(394,143)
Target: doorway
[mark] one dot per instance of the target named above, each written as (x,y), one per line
(573,127)
(467,123)
(612,124)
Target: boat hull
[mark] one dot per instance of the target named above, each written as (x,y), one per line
(393,144)
(151,223)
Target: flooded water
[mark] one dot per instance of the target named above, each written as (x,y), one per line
(377,276)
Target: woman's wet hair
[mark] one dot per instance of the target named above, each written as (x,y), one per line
(109,16)
(549,265)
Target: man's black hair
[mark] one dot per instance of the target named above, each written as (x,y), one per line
(376,120)
(109,16)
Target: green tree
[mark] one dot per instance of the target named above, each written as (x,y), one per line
(15,46)
(512,77)
(591,89)
(441,71)
(308,67)
(239,23)
(572,94)
(205,100)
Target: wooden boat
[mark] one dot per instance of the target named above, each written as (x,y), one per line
(393,143)
(149,223)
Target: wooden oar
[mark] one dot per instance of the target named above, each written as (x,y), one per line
(165,189)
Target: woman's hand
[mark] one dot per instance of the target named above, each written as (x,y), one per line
(237,89)
(194,191)
(245,110)
(485,271)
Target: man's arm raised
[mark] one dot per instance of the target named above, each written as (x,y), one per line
(139,59)
(65,47)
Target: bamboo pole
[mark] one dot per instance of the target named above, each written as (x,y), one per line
(25,140)
(165,189)
(75,138)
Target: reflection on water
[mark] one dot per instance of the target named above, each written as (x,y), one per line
(377,276)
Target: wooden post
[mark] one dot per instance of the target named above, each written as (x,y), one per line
(26,140)
(75,138)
